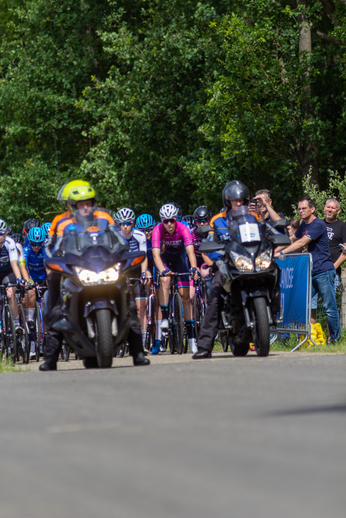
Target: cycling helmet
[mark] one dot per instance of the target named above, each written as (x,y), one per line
(30,223)
(81,193)
(45,227)
(169,210)
(36,235)
(125,214)
(189,219)
(66,188)
(145,222)
(201,213)
(18,239)
(9,230)
(235,190)
(3,227)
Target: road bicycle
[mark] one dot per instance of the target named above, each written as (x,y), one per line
(8,330)
(22,335)
(176,337)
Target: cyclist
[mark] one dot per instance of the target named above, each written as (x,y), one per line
(146,223)
(45,228)
(136,241)
(82,201)
(234,194)
(172,244)
(9,269)
(190,220)
(28,224)
(34,255)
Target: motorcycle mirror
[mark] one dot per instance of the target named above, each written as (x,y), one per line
(204,229)
(211,246)
(281,223)
(280,240)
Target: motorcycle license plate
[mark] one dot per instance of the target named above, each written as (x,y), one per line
(249,232)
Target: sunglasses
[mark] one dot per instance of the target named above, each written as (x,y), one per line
(32,243)
(202,220)
(166,221)
(2,233)
(127,223)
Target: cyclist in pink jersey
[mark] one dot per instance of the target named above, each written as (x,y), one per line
(171,245)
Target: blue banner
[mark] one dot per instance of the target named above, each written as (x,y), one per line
(294,288)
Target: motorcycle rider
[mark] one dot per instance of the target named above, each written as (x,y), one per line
(81,202)
(235,194)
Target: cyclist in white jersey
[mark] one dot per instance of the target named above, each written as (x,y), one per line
(9,269)
(137,241)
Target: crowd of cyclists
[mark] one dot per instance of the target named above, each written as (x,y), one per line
(172,253)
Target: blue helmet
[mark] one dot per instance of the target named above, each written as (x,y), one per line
(45,227)
(145,222)
(36,235)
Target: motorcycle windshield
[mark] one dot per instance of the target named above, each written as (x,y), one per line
(244,226)
(88,230)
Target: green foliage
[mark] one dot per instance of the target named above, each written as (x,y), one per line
(158,101)
(336,189)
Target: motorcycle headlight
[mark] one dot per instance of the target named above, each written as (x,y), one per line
(264,260)
(89,278)
(243,263)
(109,275)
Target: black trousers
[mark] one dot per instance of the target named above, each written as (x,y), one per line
(212,316)
(54,338)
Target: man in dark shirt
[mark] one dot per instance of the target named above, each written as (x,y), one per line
(336,231)
(313,233)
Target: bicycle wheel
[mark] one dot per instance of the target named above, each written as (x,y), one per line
(198,312)
(23,348)
(37,332)
(10,333)
(178,325)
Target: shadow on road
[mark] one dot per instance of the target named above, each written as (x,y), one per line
(311,410)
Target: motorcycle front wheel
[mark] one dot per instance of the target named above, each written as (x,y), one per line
(104,338)
(262,342)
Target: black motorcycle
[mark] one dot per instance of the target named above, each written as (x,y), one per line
(93,260)
(250,277)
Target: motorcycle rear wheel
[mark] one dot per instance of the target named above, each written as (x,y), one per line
(240,349)
(262,342)
(104,338)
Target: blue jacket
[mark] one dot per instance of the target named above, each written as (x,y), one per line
(34,263)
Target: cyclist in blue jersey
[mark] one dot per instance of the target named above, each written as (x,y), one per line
(35,254)
(45,228)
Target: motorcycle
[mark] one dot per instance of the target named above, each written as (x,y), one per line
(250,278)
(93,260)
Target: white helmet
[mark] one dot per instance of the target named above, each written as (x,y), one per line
(3,226)
(168,211)
(124,214)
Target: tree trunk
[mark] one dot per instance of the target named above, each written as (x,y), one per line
(307,152)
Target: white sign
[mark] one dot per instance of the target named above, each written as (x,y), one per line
(249,232)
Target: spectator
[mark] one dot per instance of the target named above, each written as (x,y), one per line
(336,231)
(265,206)
(293,226)
(313,232)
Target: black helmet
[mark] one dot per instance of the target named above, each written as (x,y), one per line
(202,212)
(30,223)
(189,219)
(9,231)
(18,239)
(235,190)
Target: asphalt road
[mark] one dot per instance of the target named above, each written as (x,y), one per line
(225,437)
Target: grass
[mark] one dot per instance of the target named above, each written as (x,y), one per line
(287,346)
(6,365)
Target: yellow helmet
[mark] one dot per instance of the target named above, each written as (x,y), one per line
(65,189)
(80,193)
